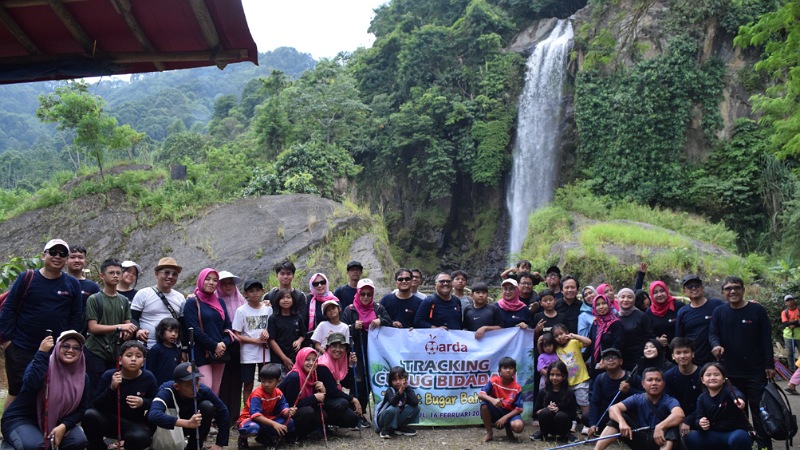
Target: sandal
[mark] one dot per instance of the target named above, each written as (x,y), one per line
(792,391)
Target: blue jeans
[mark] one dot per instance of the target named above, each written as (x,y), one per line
(733,440)
(251,428)
(392,417)
(27,435)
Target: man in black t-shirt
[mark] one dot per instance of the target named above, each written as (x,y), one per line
(401,305)
(346,293)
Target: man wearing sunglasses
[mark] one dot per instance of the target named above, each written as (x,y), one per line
(402,304)
(39,300)
(442,309)
(153,304)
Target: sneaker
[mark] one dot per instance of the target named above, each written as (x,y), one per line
(241,444)
(386,434)
(585,431)
(364,423)
(405,431)
(537,436)
(574,424)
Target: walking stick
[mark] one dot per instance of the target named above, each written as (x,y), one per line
(355,383)
(366,370)
(119,392)
(46,413)
(601,438)
(635,368)
(194,383)
(322,416)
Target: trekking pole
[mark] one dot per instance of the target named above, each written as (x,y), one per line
(355,383)
(322,416)
(635,368)
(366,370)
(194,382)
(46,413)
(601,438)
(119,392)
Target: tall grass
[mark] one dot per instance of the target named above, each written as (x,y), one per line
(627,234)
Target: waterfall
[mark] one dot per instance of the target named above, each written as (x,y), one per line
(535,166)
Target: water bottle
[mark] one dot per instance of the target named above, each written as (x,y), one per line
(764,414)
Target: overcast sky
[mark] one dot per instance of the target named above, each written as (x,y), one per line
(322,28)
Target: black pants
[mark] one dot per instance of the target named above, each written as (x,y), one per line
(207,410)
(643,440)
(557,424)
(753,390)
(97,425)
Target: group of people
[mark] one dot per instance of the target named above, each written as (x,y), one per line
(140,361)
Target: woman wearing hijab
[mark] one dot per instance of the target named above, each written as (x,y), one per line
(654,355)
(586,318)
(642,300)
(55,394)
(212,328)
(310,387)
(663,312)
(606,332)
(320,293)
(363,315)
(230,389)
(513,311)
(636,325)
(607,291)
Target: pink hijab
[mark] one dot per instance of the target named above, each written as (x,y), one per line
(67,382)
(515,304)
(209,299)
(317,298)
(307,380)
(338,367)
(601,290)
(366,313)
(603,323)
(232,302)
(660,309)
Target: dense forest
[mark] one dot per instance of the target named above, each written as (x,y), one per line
(420,126)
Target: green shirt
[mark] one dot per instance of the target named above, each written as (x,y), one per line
(106,311)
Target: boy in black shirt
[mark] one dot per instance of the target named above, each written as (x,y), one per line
(481,317)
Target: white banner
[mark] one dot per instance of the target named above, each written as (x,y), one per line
(448,368)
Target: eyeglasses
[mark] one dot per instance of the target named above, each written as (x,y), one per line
(691,286)
(57,252)
(732,288)
(170,273)
(444,281)
(404,279)
(365,293)
(319,283)
(114,273)
(74,348)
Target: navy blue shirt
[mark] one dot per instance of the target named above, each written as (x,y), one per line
(49,304)
(685,389)
(437,312)
(345,294)
(158,411)
(486,316)
(513,318)
(401,310)
(162,360)
(665,325)
(143,386)
(603,391)
(746,336)
(694,323)
(721,411)
(649,414)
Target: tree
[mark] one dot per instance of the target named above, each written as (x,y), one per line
(73,108)
(779,33)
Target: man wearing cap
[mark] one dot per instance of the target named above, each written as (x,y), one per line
(158,302)
(130,276)
(440,310)
(553,281)
(607,385)
(790,319)
(347,292)
(38,300)
(181,391)
(694,322)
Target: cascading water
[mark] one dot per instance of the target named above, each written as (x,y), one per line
(535,167)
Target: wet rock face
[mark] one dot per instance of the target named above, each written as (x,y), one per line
(246,237)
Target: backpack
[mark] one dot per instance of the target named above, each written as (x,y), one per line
(776,414)
(26,283)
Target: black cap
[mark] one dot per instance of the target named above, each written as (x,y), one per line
(184,372)
(611,351)
(352,264)
(480,287)
(553,269)
(690,277)
(250,283)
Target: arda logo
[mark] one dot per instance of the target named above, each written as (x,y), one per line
(432,347)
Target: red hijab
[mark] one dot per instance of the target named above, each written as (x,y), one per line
(603,324)
(661,309)
(366,312)
(307,380)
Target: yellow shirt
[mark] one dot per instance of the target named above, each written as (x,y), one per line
(570,355)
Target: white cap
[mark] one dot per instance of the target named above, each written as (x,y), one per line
(127,264)
(225,274)
(53,242)
(365,282)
